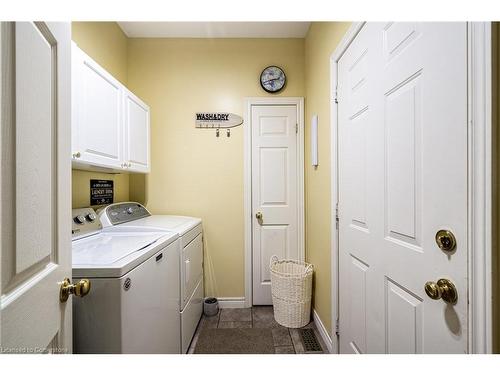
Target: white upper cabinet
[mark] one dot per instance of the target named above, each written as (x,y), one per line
(136,133)
(97,107)
(110,124)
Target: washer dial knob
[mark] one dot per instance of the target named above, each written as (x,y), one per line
(79,219)
(91,217)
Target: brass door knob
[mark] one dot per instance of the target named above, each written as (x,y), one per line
(80,289)
(446,240)
(444,289)
(258,215)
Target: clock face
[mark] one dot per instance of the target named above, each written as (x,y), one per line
(272,79)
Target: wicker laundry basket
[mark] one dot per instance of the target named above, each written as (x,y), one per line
(291,287)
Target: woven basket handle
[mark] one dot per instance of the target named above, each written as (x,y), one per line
(309,267)
(273,260)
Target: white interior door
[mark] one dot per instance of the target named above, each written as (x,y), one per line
(402,116)
(274,192)
(35,186)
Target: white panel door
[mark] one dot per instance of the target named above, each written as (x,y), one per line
(35,186)
(97,103)
(136,133)
(402,177)
(274,192)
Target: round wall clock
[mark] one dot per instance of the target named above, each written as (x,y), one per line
(272,79)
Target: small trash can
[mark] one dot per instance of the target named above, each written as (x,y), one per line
(291,288)
(210,306)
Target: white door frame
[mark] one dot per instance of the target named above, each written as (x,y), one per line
(479,184)
(247,180)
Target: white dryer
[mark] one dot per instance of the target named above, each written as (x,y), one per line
(132,306)
(190,233)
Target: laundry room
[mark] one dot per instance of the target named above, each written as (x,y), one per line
(192,170)
(299,187)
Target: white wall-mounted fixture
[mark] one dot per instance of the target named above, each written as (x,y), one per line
(314,141)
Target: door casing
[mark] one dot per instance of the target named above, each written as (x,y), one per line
(479,183)
(247,180)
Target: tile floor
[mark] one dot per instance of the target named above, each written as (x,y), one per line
(285,340)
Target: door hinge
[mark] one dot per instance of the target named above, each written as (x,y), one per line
(336,96)
(296,128)
(337,327)
(337,219)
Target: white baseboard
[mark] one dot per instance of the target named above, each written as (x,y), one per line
(231,302)
(322,331)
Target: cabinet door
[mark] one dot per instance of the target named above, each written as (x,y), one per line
(137,142)
(97,123)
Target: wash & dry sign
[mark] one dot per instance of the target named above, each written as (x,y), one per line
(217,120)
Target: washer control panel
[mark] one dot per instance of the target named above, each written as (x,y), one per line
(119,213)
(85,222)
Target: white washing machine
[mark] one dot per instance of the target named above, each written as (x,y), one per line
(132,306)
(190,233)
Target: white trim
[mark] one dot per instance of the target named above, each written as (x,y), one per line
(231,302)
(346,41)
(334,58)
(322,331)
(480,180)
(247,180)
(480,189)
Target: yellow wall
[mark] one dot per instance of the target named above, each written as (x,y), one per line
(107,44)
(321,41)
(193,172)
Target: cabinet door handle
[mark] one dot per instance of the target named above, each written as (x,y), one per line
(76,155)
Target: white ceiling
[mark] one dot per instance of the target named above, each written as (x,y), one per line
(215,29)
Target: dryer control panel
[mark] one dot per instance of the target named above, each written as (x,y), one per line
(120,213)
